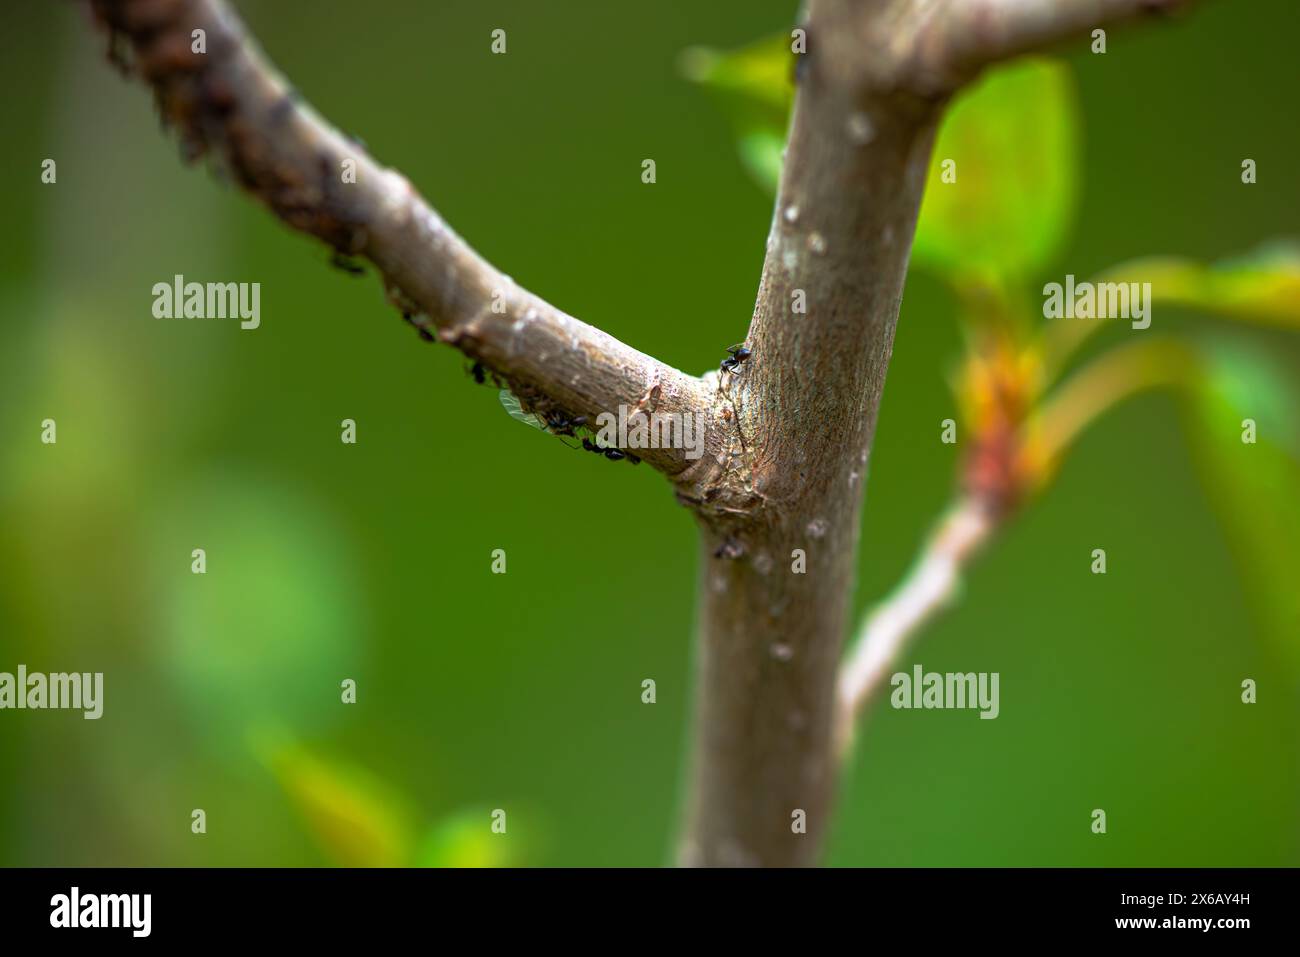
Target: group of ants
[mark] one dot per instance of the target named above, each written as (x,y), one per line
(557,422)
(561,423)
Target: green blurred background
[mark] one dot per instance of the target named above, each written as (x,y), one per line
(371,562)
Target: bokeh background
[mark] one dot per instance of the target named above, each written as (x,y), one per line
(371,562)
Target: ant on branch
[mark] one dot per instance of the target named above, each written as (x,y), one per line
(735,356)
(614,455)
(730,367)
(559,423)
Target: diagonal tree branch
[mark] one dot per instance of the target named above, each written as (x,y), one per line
(228,102)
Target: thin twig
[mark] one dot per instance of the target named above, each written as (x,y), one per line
(967,526)
(1104,383)
(932,583)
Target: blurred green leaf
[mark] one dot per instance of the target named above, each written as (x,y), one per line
(1255,486)
(273,626)
(356,819)
(761,150)
(755,89)
(466,840)
(759,72)
(1014,138)
(1262,286)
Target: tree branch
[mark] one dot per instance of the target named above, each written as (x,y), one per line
(932,583)
(771,634)
(778,492)
(229,103)
(968,526)
(869,93)
(960,37)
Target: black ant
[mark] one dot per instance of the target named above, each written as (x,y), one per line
(614,455)
(735,356)
(560,424)
(346,263)
(731,365)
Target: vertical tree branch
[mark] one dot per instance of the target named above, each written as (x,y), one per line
(870,91)
(770,637)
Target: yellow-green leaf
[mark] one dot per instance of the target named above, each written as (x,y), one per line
(466,839)
(1013,140)
(759,72)
(357,820)
(1262,286)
